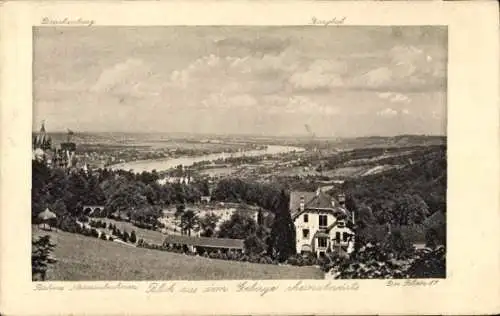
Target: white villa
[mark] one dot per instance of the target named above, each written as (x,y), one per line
(321,223)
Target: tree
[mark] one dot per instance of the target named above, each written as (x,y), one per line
(398,245)
(369,262)
(260,218)
(208,224)
(282,240)
(59,209)
(94,233)
(146,216)
(189,220)
(41,257)
(128,196)
(254,245)
(151,194)
(239,226)
(179,210)
(410,209)
(435,236)
(429,264)
(350,203)
(133,237)
(204,188)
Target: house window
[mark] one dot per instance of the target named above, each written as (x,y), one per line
(341,224)
(305,233)
(323,221)
(345,236)
(306,218)
(337,236)
(322,242)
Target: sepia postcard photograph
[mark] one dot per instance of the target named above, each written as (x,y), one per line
(239,152)
(316,154)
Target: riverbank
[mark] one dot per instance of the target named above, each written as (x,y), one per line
(139,166)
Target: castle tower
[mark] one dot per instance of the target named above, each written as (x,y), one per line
(68,150)
(42,140)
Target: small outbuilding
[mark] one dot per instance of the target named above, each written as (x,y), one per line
(46,219)
(202,244)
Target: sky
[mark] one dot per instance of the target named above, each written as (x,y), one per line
(341,81)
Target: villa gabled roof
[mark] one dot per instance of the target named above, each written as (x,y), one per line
(315,200)
(320,200)
(295,200)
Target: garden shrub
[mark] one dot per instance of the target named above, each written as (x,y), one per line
(133,237)
(41,258)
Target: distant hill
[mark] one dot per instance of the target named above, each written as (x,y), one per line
(418,186)
(396,141)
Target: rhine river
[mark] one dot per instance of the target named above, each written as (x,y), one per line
(169,163)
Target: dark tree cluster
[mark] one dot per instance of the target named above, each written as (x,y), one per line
(265,195)
(374,261)
(125,195)
(406,196)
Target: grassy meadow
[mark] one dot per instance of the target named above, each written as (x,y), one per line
(81,258)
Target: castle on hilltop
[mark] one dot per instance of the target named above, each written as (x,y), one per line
(45,151)
(42,140)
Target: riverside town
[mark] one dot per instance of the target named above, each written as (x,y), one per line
(239,153)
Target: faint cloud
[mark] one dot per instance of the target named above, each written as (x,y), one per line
(266,44)
(131,78)
(320,74)
(310,80)
(299,105)
(375,78)
(394,97)
(112,76)
(223,101)
(436,115)
(403,68)
(387,112)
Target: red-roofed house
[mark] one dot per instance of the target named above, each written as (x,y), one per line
(321,223)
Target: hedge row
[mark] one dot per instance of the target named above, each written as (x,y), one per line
(234,256)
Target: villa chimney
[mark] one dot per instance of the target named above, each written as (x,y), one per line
(332,201)
(302,203)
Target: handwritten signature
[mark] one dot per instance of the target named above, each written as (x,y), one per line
(412,283)
(67,21)
(335,20)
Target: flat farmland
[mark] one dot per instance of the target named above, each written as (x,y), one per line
(218,172)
